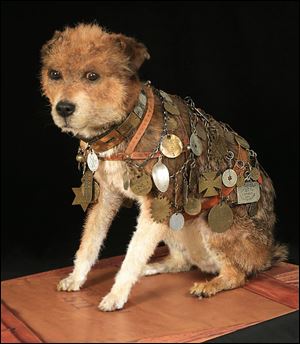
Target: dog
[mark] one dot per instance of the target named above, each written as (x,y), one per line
(90,77)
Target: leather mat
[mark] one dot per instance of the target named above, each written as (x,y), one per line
(160,308)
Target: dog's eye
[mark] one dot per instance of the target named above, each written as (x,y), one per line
(54,74)
(91,76)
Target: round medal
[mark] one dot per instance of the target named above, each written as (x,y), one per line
(176,222)
(172,124)
(141,184)
(220,218)
(171,146)
(172,109)
(192,206)
(196,144)
(229,178)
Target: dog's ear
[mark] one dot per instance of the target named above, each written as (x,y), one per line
(46,48)
(135,51)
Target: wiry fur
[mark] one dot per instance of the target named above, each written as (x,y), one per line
(246,248)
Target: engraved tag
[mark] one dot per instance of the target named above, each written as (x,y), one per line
(176,221)
(196,144)
(92,161)
(248,193)
(229,178)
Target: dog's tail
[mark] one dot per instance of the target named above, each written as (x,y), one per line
(280,253)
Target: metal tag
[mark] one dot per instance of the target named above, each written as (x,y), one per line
(248,193)
(172,109)
(192,206)
(166,96)
(84,194)
(240,180)
(220,218)
(176,222)
(161,176)
(229,177)
(160,209)
(92,161)
(171,146)
(196,144)
(141,184)
(242,142)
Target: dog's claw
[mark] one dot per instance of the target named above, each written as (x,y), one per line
(111,302)
(69,284)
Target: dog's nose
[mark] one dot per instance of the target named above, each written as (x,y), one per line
(65,108)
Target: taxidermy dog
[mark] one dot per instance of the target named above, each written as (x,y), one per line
(199,186)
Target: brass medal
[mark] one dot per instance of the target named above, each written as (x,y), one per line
(87,186)
(172,109)
(242,142)
(196,144)
(172,124)
(252,209)
(171,146)
(161,176)
(248,193)
(240,180)
(210,183)
(192,206)
(176,222)
(141,184)
(160,209)
(220,218)
(166,96)
(201,132)
(254,173)
(229,178)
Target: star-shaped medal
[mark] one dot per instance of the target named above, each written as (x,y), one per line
(80,199)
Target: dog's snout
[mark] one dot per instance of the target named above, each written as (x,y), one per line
(65,108)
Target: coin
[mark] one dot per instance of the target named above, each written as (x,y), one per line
(160,209)
(161,176)
(172,109)
(171,146)
(242,142)
(229,177)
(172,124)
(192,206)
(220,218)
(141,184)
(166,96)
(92,161)
(196,144)
(254,173)
(176,221)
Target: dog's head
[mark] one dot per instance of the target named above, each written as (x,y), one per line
(89,76)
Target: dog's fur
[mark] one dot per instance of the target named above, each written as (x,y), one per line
(246,248)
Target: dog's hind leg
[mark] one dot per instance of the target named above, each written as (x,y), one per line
(142,245)
(174,262)
(96,227)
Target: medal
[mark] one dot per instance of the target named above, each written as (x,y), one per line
(172,124)
(242,142)
(229,178)
(171,146)
(220,218)
(166,96)
(240,180)
(160,176)
(172,109)
(196,144)
(210,183)
(176,222)
(92,161)
(248,193)
(84,194)
(141,184)
(160,209)
(192,206)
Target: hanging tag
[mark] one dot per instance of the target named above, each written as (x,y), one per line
(176,222)
(92,161)
(248,193)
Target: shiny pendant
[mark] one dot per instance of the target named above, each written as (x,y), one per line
(220,218)
(248,193)
(171,146)
(160,209)
(172,109)
(176,222)
(229,178)
(192,206)
(92,161)
(161,176)
(141,184)
(210,184)
(196,144)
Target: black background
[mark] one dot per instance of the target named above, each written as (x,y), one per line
(238,60)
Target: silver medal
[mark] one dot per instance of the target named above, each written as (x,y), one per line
(92,161)
(161,176)
(176,221)
(248,193)
(196,144)
(229,178)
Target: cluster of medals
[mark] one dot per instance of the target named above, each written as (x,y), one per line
(199,182)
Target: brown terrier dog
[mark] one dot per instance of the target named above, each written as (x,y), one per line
(90,77)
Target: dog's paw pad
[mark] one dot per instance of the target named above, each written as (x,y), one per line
(111,302)
(69,284)
(203,290)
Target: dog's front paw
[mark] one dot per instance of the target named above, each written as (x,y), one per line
(112,302)
(69,284)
